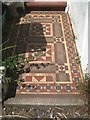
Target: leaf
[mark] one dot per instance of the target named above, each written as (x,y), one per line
(27,60)
(6,48)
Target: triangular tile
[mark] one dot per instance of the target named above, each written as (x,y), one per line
(41,59)
(49,52)
(48,29)
(39,78)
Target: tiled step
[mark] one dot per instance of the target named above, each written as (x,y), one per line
(44,6)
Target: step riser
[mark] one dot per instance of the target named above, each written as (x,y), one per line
(46,6)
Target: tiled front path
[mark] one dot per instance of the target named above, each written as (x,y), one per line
(48,37)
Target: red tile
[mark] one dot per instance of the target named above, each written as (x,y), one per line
(49,78)
(48,58)
(28,79)
(39,77)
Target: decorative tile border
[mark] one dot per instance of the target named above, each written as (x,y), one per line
(47,89)
(71,48)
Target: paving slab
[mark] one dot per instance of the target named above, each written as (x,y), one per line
(35,99)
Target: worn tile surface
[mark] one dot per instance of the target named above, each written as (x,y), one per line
(48,38)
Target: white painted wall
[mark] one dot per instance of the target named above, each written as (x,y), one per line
(88,37)
(78,12)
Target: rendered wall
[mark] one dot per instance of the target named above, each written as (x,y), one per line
(88,37)
(78,12)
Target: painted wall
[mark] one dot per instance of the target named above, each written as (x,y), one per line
(78,12)
(88,37)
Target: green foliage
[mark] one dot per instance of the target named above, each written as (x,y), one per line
(6,48)
(27,60)
(74,36)
(11,63)
(78,58)
(20,57)
(15,64)
(85,90)
(9,79)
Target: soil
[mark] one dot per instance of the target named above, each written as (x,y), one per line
(46,111)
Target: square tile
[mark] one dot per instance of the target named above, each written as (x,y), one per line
(18,88)
(27,87)
(38,87)
(72,58)
(66,67)
(75,71)
(62,77)
(76,79)
(58,87)
(28,79)
(48,87)
(70,46)
(74,64)
(68,87)
(78,87)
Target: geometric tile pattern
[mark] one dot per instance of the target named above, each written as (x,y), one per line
(40,29)
(47,88)
(58,39)
(63,76)
(41,53)
(39,78)
(61,67)
(71,49)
